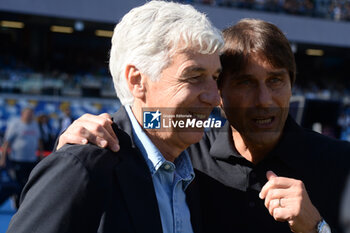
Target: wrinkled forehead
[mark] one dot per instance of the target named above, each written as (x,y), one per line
(193,64)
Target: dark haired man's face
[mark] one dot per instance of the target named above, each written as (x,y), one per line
(256,102)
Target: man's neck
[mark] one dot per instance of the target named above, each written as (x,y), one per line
(251,151)
(169,150)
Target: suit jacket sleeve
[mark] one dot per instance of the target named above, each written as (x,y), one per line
(60,196)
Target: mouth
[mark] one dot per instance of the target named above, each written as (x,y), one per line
(264,122)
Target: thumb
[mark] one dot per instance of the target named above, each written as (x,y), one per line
(270,175)
(106,116)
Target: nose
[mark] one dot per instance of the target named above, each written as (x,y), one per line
(211,94)
(264,96)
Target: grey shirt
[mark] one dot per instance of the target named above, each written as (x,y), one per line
(23,140)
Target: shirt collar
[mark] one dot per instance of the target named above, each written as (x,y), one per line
(223,146)
(152,155)
(149,151)
(184,168)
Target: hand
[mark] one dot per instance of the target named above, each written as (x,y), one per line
(90,128)
(287,200)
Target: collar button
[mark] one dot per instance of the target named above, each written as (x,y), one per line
(167,167)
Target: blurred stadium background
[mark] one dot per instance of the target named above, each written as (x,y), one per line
(53,56)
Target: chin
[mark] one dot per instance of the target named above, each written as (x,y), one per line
(263,138)
(190,138)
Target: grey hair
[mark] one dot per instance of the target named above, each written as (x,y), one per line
(148,36)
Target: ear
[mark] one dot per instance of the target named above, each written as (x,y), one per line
(221,102)
(135,81)
(221,107)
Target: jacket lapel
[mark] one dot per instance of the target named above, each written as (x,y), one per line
(193,202)
(135,179)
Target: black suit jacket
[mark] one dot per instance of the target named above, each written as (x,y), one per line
(83,188)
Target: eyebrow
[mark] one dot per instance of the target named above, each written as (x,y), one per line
(269,73)
(278,72)
(242,76)
(196,69)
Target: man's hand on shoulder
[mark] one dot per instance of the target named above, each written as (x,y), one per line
(287,200)
(91,128)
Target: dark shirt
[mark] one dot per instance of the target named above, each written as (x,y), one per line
(229,185)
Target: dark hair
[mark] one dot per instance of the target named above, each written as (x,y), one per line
(255,37)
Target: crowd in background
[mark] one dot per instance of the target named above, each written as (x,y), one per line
(331,9)
(50,115)
(52,112)
(55,84)
(18,81)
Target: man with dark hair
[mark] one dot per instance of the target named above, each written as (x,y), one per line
(232,163)
(237,189)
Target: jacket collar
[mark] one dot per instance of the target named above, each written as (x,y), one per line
(135,179)
(122,121)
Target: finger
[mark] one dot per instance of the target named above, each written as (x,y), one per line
(101,126)
(84,138)
(96,129)
(76,133)
(270,175)
(75,129)
(87,117)
(269,185)
(103,117)
(112,139)
(274,203)
(280,214)
(104,132)
(91,126)
(101,142)
(92,133)
(106,116)
(92,138)
(73,139)
(276,182)
(275,194)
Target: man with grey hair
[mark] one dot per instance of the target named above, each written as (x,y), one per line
(163,54)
